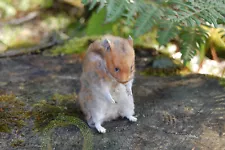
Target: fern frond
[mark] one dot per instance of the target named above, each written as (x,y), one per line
(93,3)
(132,9)
(115,9)
(85,2)
(191,39)
(147,19)
(166,32)
(191,12)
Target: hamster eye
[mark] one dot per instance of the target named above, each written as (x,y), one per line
(108,48)
(117,69)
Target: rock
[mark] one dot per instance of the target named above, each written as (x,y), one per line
(173,112)
(163,62)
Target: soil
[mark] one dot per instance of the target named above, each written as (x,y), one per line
(174,112)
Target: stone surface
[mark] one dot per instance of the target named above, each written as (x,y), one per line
(174,113)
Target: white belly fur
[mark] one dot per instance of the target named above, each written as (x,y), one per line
(124,104)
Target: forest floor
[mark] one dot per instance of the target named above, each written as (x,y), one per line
(174,112)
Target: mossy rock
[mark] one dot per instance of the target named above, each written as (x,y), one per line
(165,66)
(74,46)
(47,110)
(58,111)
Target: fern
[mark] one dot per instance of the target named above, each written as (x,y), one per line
(191,39)
(171,16)
(147,19)
(115,9)
(167,32)
(131,11)
(194,12)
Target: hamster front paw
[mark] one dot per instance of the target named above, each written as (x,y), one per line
(129,92)
(113,101)
(110,99)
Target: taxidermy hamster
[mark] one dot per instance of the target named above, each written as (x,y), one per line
(106,81)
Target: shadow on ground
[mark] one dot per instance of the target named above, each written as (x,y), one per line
(173,112)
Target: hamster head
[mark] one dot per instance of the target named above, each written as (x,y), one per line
(120,58)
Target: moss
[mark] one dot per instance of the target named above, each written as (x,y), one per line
(222,82)
(63,120)
(17,143)
(162,72)
(12,113)
(163,65)
(75,45)
(59,110)
(46,111)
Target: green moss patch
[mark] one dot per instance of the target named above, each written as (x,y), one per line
(162,71)
(59,110)
(222,82)
(47,110)
(63,120)
(74,45)
(17,143)
(12,112)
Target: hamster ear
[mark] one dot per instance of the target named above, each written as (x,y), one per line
(106,45)
(130,40)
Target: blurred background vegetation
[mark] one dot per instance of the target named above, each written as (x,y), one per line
(190,32)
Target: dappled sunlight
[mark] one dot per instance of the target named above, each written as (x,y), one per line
(210,67)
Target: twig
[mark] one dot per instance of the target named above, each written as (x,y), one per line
(21,20)
(32,50)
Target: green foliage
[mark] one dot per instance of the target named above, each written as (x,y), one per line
(12,112)
(195,12)
(166,32)
(74,45)
(217,38)
(167,68)
(147,19)
(171,16)
(222,81)
(96,24)
(115,10)
(191,40)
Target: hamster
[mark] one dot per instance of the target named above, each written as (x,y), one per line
(106,81)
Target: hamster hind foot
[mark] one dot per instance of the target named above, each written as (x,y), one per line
(131,118)
(100,128)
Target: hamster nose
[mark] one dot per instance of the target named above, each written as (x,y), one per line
(124,78)
(124,82)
